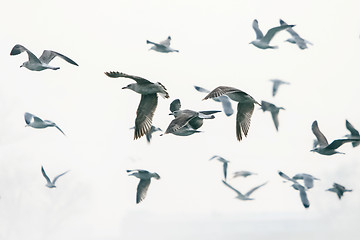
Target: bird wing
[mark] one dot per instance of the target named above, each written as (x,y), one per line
(318,134)
(351,128)
(144,114)
(276,85)
(200,89)
(275,117)
(237,191)
(271,33)
(59,129)
(225,166)
(56,178)
(142,188)
(226,104)
(49,55)
(254,189)
(266,106)
(243,118)
(338,142)
(208,113)
(175,105)
(290,30)
(45,176)
(303,197)
(219,91)
(308,181)
(283,175)
(259,34)
(179,122)
(17,49)
(119,74)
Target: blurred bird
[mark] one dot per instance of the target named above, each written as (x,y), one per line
(149,133)
(299,187)
(36,122)
(245,107)
(163,46)
(266,106)
(224,161)
(276,84)
(354,134)
(324,147)
(338,189)
(226,104)
(50,184)
(42,63)
(242,196)
(296,39)
(308,179)
(264,41)
(148,102)
(243,174)
(145,180)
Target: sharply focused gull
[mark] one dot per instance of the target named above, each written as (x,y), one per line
(148,102)
(264,41)
(338,189)
(36,122)
(50,184)
(308,179)
(163,46)
(243,174)
(245,107)
(242,196)
(224,161)
(145,180)
(354,134)
(324,147)
(226,104)
(42,63)
(274,110)
(299,187)
(276,84)
(296,39)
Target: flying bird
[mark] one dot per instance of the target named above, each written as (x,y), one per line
(242,196)
(308,179)
(226,104)
(224,161)
(163,46)
(145,180)
(295,38)
(149,133)
(245,107)
(338,189)
(354,134)
(262,41)
(50,184)
(36,122)
(148,102)
(299,187)
(266,106)
(276,84)
(243,174)
(324,147)
(42,63)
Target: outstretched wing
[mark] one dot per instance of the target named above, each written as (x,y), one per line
(338,142)
(45,176)
(144,114)
(17,49)
(175,105)
(271,33)
(179,122)
(56,178)
(59,129)
(259,34)
(219,91)
(49,55)
(142,188)
(318,134)
(243,118)
(226,104)
(120,74)
(351,128)
(231,187)
(254,189)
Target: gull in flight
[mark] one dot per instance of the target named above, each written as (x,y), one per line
(42,63)
(36,122)
(242,196)
(245,107)
(324,147)
(145,180)
(163,46)
(186,122)
(295,39)
(225,164)
(149,133)
(308,179)
(266,106)
(243,174)
(338,189)
(299,187)
(226,104)
(148,102)
(264,41)
(50,184)
(276,84)
(354,134)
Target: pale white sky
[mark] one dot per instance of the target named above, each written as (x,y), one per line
(96,199)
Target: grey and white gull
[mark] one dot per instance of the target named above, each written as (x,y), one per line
(299,187)
(274,110)
(41,63)
(354,134)
(148,102)
(339,190)
(276,85)
(145,180)
(295,38)
(224,161)
(51,184)
(163,46)
(308,179)
(148,135)
(36,122)
(245,196)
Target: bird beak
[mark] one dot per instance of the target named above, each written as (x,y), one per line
(21,66)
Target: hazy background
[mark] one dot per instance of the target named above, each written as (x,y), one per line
(96,199)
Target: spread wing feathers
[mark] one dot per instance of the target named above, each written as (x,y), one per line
(275,117)
(175,105)
(179,122)
(231,187)
(271,33)
(156,44)
(17,49)
(226,104)
(225,166)
(219,91)
(320,137)
(209,112)
(56,178)
(144,114)
(290,30)
(351,128)
(254,189)
(338,142)
(44,174)
(243,117)
(142,188)
(59,129)
(259,34)
(283,175)
(139,80)
(303,197)
(48,55)
(200,89)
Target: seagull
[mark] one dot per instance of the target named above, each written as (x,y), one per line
(266,106)
(247,195)
(163,46)
(149,134)
(224,161)
(245,107)
(299,187)
(308,179)
(226,104)
(263,41)
(50,184)
(243,174)
(339,190)
(354,134)
(36,122)
(145,179)
(148,102)
(42,63)
(276,84)
(296,39)
(324,147)
(186,122)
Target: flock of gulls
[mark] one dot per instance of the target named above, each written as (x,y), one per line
(187,122)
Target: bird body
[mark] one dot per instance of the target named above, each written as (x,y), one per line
(354,134)
(163,46)
(308,179)
(245,196)
(299,187)
(339,190)
(274,110)
(295,38)
(276,84)
(51,184)
(36,122)
(243,174)
(145,180)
